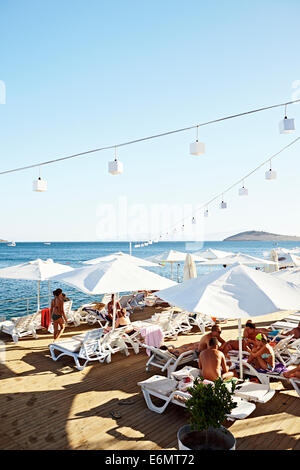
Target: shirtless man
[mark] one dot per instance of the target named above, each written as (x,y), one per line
(212,362)
(215,333)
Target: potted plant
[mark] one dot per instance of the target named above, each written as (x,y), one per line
(208,406)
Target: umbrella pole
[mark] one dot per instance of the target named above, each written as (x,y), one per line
(38,297)
(172,271)
(114,313)
(240,348)
(49,294)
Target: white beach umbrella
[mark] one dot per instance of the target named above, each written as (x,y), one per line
(237,292)
(36,270)
(190,271)
(239,258)
(133,259)
(289,275)
(173,256)
(211,253)
(112,277)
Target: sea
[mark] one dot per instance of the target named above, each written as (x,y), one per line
(19,297)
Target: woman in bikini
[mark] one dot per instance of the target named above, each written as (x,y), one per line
(262,356)
(57,314)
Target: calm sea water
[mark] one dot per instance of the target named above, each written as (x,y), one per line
(73,254)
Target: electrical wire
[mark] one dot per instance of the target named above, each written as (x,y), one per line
(143,139)
(205,205)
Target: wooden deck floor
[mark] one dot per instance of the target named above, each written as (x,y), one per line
(51,405)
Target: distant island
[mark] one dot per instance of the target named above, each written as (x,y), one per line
(3,241)
(254,235)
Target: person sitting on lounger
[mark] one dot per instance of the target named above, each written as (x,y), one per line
(293,373)
(215,333)
(212,362)
(262,356)
(250,333)
(110,309)
(123,320)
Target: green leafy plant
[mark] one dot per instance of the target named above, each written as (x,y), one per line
(209,404)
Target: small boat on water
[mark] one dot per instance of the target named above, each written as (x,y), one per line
(11,244)
(47,243)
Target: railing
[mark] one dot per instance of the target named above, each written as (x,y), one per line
(24,310)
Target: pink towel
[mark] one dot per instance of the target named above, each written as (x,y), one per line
(153,336)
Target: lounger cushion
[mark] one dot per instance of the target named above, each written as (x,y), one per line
(68,344)
(254,391)
(159,384)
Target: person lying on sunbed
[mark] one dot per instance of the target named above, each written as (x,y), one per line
(183,348)
(234,345)
(250,333)
(295,331)
(262,356)
(293,373)
(214,333)
(212,362)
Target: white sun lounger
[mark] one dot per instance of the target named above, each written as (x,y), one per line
(85,349)
(283,325)
(260,393)
(167,361)
(166,389)
(264,377)
(21,326)
(200,320)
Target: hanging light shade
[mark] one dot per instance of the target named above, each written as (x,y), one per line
(197,148)
(115,167)
(223,205)
(243,191)
(193,220)
(206,213)
(286,126)
(270,175)
(39,185)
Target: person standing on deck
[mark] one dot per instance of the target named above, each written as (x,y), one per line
(57,314)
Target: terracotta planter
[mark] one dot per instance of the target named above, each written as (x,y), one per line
(212,439)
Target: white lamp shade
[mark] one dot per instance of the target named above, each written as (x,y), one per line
(286,126)
(39,185)
(206,213)
(197,148)
(243,191)
(115,167)
(270,175)
(223,205)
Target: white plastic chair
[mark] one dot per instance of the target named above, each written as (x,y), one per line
(22,326)
(166,361)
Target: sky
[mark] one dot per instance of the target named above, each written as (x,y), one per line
(82,75)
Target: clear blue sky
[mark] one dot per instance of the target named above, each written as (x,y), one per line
(85,74)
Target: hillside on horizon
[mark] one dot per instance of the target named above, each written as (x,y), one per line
(254,235)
